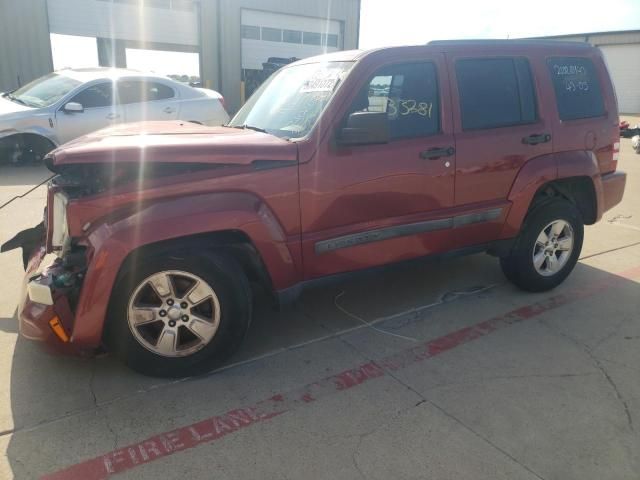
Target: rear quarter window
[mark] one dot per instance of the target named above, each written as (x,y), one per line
(577,88)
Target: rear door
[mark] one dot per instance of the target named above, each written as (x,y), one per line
(499,126)
(100,111)
(147,100)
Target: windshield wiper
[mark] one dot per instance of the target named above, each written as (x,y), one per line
(250,127)
(15,99)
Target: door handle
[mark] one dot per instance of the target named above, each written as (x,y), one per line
(168,110)
(435,153)
(536,138)
(112,116)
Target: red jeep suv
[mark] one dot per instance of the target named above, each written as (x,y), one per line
(338,163)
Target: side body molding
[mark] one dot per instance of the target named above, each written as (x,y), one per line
(542,170)
(168,219)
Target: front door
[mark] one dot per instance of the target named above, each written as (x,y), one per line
(100,111)
(369,205)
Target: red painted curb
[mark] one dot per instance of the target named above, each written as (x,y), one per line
(214,428)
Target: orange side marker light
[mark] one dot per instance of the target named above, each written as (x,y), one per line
(58,329)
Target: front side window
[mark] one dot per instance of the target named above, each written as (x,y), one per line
(495,92)
(137,91)
(290,102)
(578,93)
(408,93)
(96,96)
(45,91)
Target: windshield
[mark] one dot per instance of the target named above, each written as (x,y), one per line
(290,102)
(45,91)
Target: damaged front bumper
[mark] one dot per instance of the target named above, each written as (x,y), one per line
(50,289)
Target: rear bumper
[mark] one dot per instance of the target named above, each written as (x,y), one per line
(34,317)
(612,189)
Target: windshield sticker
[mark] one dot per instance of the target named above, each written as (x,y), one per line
(322,81)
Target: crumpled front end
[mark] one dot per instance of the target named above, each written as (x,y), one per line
(54,270)
(46,310)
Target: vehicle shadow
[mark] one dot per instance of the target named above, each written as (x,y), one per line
(44,389)
(18,175)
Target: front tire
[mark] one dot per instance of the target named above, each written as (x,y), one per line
(548,247)
(24,149)
(176,315)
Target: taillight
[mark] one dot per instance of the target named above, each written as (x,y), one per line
(615,156)
(224,105)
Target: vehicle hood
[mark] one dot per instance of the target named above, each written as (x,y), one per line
(13,110)
(173,142)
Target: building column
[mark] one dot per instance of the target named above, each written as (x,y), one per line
(111,53)
(210,44)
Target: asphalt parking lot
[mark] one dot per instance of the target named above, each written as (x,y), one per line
(440,371)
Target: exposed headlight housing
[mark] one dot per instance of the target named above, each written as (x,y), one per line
(59,229)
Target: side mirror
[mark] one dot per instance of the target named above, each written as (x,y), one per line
(364,128)
(73,107)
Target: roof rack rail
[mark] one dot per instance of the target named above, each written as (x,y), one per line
(503,41)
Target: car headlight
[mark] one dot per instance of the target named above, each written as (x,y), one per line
(60,228)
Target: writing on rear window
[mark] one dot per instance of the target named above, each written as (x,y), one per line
(575,77)
(569,69)
(577,88)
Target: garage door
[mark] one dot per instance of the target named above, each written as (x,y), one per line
(622,61)
(266,34)
(175,22)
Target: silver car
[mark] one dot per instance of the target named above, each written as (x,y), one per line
(66,104)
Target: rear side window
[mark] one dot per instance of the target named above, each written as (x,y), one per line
(136,91)
(577,87)
(408,93)
(495,92)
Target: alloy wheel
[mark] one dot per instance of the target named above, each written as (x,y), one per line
(173,313)
(553,248)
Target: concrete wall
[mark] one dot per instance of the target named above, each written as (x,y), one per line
(25,48)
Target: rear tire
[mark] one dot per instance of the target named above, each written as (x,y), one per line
(547,248)
(176,315)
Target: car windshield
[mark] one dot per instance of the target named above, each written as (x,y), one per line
(290,102)
(45,91)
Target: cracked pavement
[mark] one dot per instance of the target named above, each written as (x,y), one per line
(556,396)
